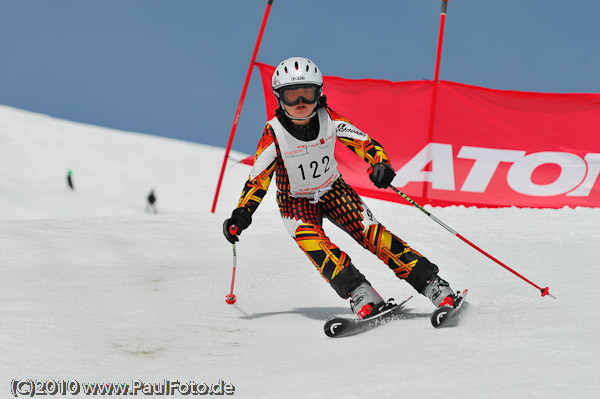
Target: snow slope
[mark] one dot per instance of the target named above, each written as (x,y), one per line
(94,289)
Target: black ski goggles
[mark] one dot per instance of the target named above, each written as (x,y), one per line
(309,94)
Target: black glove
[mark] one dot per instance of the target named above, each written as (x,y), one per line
(239,220)
(382,175)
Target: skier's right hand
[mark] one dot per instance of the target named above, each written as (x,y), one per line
(240,219)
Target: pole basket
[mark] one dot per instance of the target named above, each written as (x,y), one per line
(230,299)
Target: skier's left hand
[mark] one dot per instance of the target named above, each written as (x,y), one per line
(382,174)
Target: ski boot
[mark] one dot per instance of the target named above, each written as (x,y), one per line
(439,292)
(365,301)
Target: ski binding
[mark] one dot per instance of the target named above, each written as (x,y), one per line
(441,316)
(345,326)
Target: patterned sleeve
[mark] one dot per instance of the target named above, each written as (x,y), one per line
(359,142)
(265,162)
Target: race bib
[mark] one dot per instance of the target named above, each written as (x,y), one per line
(311,165)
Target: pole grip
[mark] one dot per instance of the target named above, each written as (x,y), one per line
(233,229)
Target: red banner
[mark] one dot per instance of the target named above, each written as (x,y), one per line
(487,148)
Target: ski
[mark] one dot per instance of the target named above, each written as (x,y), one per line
(443,315)
(344,326)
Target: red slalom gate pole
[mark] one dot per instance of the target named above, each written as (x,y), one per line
(436,78)
(241,103)
(438,56)
(544,291)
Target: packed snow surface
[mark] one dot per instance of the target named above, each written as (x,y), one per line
(95,289)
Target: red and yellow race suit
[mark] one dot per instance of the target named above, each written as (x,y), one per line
(310,187)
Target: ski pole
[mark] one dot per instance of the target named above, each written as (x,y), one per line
(544,291)
(230,298)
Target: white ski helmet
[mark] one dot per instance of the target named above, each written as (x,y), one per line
(296,71)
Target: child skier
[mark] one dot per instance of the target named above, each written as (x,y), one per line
(298,146)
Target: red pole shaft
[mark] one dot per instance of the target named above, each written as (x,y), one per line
(232,280)
(498,262)
(241,103)
(544,291)
(233,230)
(436,79)
(231,299)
